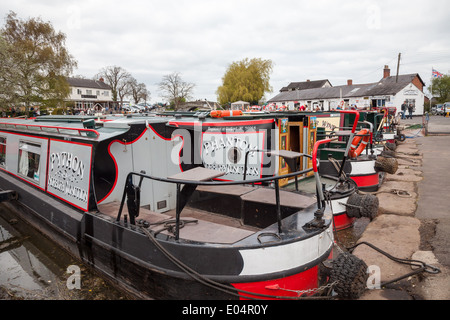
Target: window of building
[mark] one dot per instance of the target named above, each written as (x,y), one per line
(78,91)
(29,158)
(106,93)
(381,103)
(98,92)
(2,151)
(89,92)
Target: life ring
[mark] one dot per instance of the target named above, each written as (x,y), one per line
(225,113)
(356,150)
(341,104)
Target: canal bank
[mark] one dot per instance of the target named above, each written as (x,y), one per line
(414,225)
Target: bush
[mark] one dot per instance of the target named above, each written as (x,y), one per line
(58,111)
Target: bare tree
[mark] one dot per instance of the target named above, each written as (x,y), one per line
(139,91)
(175,90)
(118,79)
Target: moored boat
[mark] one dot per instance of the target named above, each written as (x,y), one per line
(114,191)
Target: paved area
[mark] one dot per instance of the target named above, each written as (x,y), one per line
(416,226)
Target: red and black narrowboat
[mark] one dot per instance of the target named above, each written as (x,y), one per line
(116,192)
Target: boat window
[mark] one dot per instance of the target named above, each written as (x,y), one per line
(2,151)
(29,157)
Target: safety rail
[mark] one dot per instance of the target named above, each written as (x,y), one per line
(133,193)
(89,133)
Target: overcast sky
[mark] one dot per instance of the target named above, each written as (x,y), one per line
(316,39)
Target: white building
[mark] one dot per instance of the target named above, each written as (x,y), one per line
(89,94)
(390,91)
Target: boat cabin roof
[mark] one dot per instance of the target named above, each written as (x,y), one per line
(82,127)
(100,128)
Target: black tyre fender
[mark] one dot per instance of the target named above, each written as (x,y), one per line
(350,274)
(401,137)
(354,206)
(370,206)
(390,146)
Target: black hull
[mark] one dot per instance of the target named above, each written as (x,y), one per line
(114,251)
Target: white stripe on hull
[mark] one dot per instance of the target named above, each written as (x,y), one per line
(336,206)
(363,167)
(285,257)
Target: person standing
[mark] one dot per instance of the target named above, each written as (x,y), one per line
(410,110)
(404,107)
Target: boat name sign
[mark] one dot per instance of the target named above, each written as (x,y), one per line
(67,176)
(225,151)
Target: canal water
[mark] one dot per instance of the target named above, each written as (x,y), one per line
(32,267)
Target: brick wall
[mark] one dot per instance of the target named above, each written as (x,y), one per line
(416,81)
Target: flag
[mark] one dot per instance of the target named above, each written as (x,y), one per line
(436,74)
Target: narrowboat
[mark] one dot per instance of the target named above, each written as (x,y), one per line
(118,193)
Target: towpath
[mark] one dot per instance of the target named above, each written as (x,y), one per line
(416,226)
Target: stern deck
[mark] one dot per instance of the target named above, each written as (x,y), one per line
(210,227)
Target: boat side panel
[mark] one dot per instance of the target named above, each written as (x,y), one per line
(69,172)
(12,160)
(149,151)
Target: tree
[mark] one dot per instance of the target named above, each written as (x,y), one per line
(440,88)
(246,80)
(118,79)
(175,90)
(139,91)
(8,76)
(37,62)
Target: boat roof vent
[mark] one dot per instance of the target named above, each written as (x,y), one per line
(89,124)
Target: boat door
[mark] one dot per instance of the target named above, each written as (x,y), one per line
(295,139)
(283,128)
(310,139)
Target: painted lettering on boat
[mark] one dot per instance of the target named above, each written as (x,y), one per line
(68,176)
(67,160)
(226,150)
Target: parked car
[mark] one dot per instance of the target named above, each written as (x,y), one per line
(438,109)
(130,109)
(144,106)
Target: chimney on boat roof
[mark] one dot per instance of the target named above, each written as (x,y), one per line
(386,72)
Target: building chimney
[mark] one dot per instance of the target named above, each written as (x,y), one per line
(307,80)
(101,79)
(349,82)
(386,72)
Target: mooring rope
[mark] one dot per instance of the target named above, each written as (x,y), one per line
(422,266)
(214,284)
(398,192)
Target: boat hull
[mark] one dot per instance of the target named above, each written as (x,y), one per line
(126,256)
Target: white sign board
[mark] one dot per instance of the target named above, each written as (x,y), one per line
(225,151)
(69,172)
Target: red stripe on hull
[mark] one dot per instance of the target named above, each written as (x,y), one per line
(305,280)
(365,181)
(343,221)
